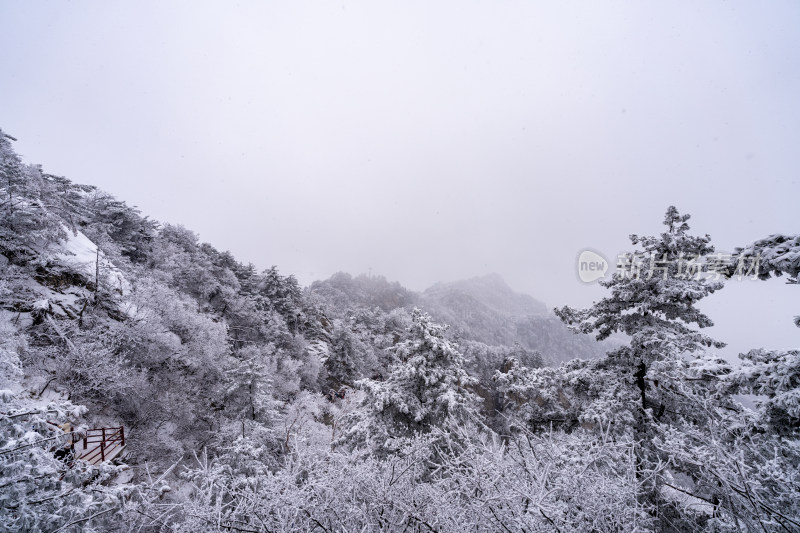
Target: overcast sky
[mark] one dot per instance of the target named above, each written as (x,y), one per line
(426,141)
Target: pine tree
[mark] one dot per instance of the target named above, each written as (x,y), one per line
(345,358)
(283,294)
(27,226)
(427,388)
(249,385)
(653,301)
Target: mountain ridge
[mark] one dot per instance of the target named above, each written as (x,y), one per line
(482,309)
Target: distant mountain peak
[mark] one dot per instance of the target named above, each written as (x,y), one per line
(494,277)
(485,309)
(492,291)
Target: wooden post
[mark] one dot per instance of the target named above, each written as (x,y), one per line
(103,446)
(122,434)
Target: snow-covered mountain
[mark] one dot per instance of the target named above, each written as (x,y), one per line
(487,310)
(482,309)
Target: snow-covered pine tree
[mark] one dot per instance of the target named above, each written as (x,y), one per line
(283,294)
(427,387)
(26,224)
(653,300)
(248,394)
(704,462)
(345,359)
(111,220)
(772,256)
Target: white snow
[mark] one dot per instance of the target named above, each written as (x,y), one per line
(319,349)
(79,254)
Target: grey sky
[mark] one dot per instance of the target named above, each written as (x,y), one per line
(427,140)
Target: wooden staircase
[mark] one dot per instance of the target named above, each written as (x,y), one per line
(100,445)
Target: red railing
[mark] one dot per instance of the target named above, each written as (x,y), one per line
(106,440)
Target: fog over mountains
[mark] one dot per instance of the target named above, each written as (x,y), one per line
(483,309)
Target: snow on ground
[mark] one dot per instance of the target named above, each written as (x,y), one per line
(685,499)
(79,254)
(61,304)
(319,349)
